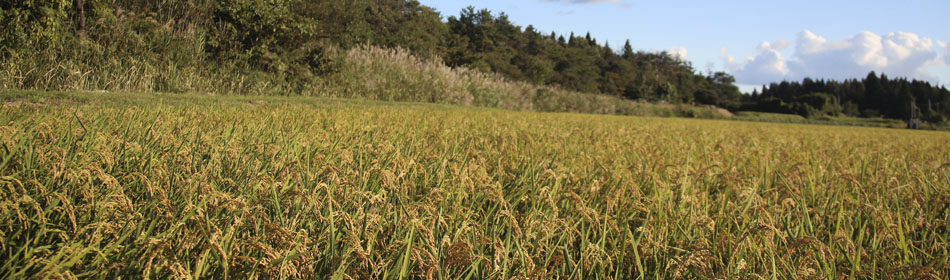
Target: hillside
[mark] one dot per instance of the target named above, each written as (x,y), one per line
(294,47)
(301,47)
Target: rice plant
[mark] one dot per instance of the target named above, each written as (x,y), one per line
(100,185)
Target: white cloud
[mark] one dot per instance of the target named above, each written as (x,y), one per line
(780,44)
(730,60)
(817,57)
(777,45)
(679,52)
(766,66)
(946,48)
(896,54)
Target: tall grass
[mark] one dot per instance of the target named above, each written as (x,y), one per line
(196,187)
(397,75)
(362,72)
(86,66)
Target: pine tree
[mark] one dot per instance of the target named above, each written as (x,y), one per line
(627,50)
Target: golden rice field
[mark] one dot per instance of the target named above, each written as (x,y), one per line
(96,185)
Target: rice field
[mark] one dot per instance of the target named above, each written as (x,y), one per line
(102,185)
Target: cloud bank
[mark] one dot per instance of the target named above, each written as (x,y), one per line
(679,52)
(896,54)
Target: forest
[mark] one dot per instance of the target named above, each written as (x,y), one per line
(875,96)
(287,47)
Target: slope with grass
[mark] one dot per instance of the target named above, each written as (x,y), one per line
(177,186)
(828,120)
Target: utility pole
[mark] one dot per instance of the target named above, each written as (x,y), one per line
(914,121)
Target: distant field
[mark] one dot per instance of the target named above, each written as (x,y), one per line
(101,185)
(826,120)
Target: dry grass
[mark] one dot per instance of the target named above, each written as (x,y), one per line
(397,75)
(364,72)
(139,186)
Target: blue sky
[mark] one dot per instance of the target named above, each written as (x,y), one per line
(757,41)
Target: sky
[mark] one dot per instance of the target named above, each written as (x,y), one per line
(756,41)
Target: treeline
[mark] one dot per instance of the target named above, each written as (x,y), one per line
(874,96)
(287,46)
(479,39)
(299,47)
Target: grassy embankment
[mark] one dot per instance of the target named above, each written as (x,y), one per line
(363,72)
(159,186)
(826,120)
